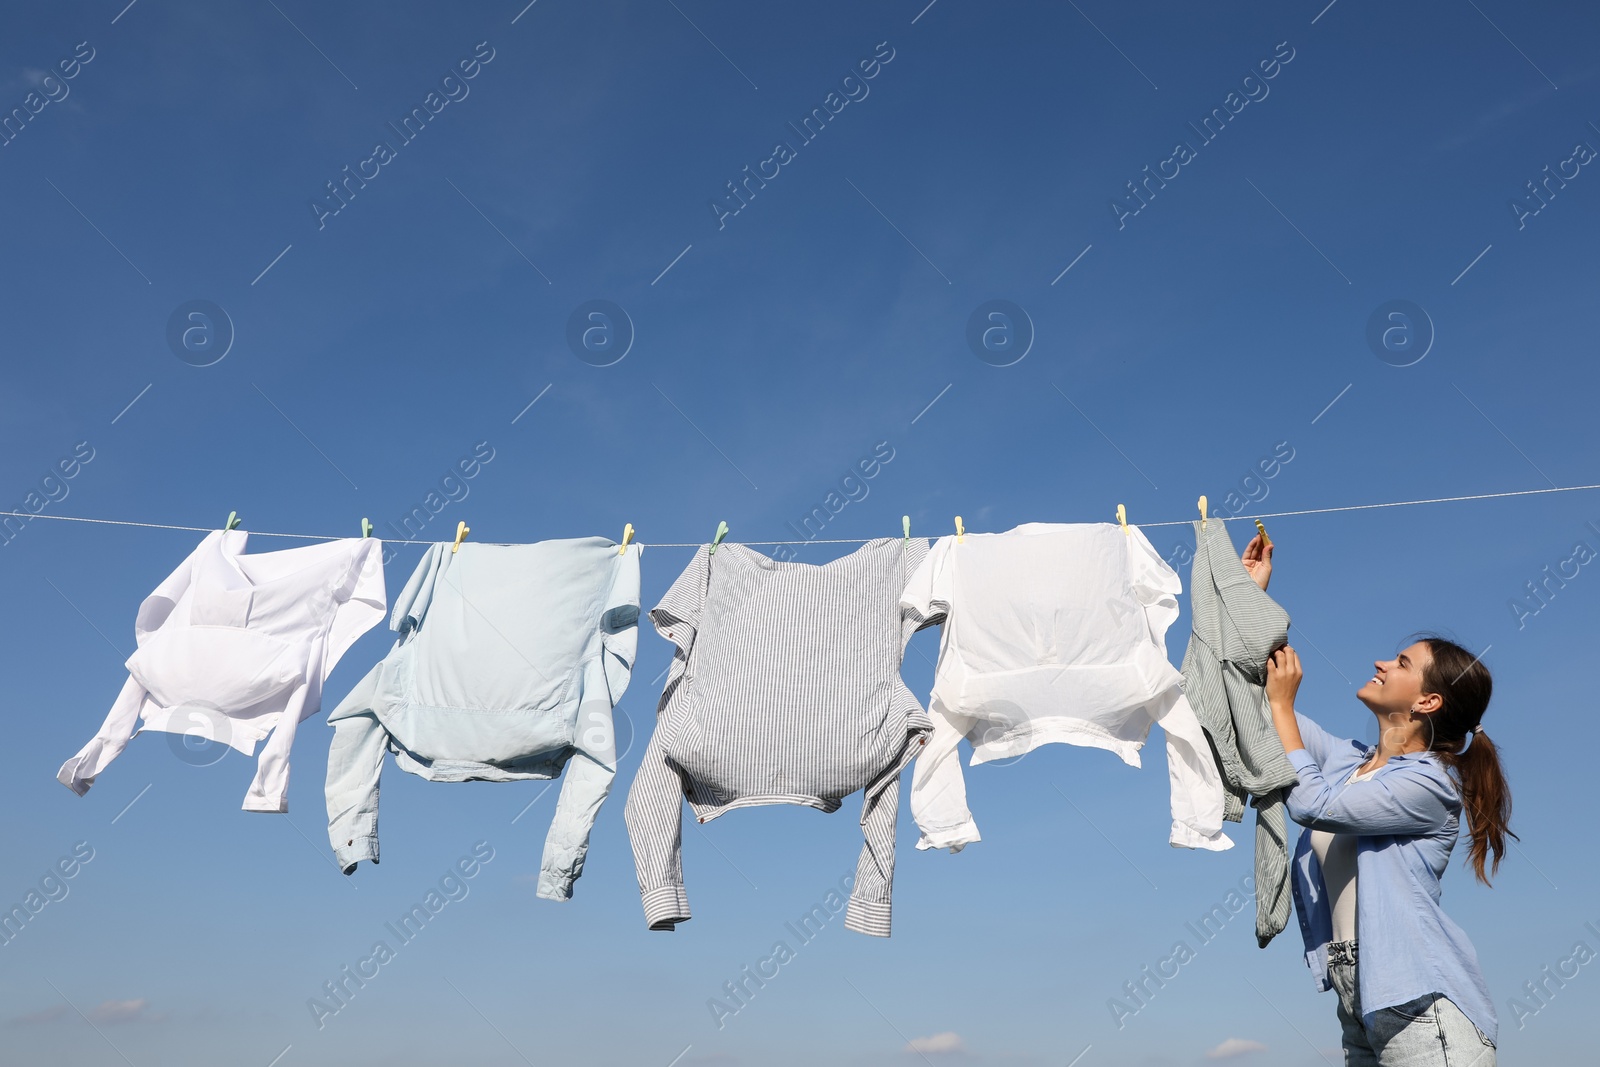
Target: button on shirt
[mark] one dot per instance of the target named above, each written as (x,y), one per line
(1055,633)
(1406,818)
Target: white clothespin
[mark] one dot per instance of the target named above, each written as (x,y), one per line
(961,531)
(1202,511)
(1122,519)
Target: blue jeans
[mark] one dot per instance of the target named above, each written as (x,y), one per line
(1427,1032)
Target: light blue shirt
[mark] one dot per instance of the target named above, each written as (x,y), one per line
(1406,817)
(509,662)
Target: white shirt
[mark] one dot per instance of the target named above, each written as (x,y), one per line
(1055,633)
(1337,855)
(234,647)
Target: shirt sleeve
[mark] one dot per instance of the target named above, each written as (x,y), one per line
(1319,743)
(79,772)
(927,593)
(355,764)
(587,780)
(412,604)
(1155,585)
(585,784)
(362,599)
(1402,800)
(654,812)
(939,789)
(1195,779)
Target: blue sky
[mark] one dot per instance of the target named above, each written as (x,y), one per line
(1172,349)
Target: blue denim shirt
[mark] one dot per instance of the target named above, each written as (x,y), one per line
(1406,817)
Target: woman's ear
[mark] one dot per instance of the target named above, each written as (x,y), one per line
(1428,703)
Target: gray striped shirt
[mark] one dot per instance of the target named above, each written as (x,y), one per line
(1236,627)
(784,689)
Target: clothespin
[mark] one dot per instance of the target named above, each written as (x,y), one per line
(627,535)
(233,521)
(722,531)
(366,527)
(905,524)
(1202,511)
(1263,531)
(1122,519)
(961,531)
(462,529)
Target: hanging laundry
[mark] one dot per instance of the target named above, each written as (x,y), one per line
(1236,627)
(784,688)
(509,662)
(1055,633)
(233,647)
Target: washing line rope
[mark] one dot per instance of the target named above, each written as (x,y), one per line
(828,541)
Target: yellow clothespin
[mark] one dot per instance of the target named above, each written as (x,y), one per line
(905,524)
(462,529)
(961,531)
(1202,511)
(233,521)
(1263,531)
(722,531)
(366,527)
(627,535)
(1122,519)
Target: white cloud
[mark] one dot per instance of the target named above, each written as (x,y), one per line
(1235,1046)
(949,1041)
(118,1011)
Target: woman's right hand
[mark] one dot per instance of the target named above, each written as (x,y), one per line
(1283,678)
(1257,559)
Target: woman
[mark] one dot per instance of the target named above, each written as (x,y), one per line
(1384,818)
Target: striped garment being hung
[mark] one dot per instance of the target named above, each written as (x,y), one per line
(784,689)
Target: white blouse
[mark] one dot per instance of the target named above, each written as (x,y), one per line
(235,647)
(1055,633)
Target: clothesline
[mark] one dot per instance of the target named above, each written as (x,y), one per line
(828,541)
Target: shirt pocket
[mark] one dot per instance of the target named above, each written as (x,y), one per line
(223,667)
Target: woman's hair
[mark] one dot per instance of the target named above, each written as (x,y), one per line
(1464,685)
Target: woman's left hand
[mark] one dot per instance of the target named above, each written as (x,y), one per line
(1257,559)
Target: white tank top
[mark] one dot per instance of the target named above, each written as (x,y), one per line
(1337,855)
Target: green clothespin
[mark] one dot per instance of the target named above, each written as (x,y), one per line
(905,524)
(233,521)
(366,527)
(722,531)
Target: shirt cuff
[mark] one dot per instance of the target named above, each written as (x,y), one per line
(1300,759)
(869,917)
(1188,837)
(554,886)
(954,838)
(665,906)
(357,850)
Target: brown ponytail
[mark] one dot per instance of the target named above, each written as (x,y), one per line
(1464,686)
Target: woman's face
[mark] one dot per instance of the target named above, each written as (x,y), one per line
(1396,685)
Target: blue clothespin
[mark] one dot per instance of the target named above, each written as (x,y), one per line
(233,521)
(722,531)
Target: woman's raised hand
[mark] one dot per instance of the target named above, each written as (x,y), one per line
(1257,559)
